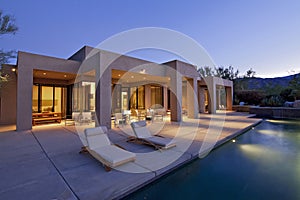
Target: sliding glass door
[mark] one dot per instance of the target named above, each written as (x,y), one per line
(49,99)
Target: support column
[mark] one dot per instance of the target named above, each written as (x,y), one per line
(211,86)
(176,97)
(229,96)
(202,99)
(192,102)
(218,99)
(103,95)
(165,97)
(24,98)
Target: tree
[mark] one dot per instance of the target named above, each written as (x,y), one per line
(294,85)
(226,73)
(250,73)
(206,71)
(7,26)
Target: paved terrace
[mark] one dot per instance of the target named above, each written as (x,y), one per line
(45,164)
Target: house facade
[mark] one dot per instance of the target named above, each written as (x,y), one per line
(104,83)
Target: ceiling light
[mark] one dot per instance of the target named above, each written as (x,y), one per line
(13,69)
(65,76)
(233,140)
(119,75)
(44,73)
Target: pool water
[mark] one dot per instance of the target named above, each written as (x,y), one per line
(263,163)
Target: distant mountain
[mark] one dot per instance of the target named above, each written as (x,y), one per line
(263,83)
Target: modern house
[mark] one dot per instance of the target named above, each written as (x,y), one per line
(103,83)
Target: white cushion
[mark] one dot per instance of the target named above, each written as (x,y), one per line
(95,130)
(140,129)
(96,137)
(164,142)
(113,156)
(142,132)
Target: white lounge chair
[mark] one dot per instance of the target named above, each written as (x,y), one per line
(144,136)
(100,147)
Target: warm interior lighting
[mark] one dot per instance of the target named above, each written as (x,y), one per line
(65,76)
(119,75)
(13,69)
(44,73)
(132,76)
(233,140)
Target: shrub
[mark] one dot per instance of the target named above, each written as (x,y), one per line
(251,97)
(272,101)
(286,94)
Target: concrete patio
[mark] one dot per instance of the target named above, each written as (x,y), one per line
(44,163)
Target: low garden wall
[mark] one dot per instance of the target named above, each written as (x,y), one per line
(239,108)
(275,112)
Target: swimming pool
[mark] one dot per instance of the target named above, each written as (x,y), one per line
(263,163)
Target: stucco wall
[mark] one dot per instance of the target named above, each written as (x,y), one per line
(8,97)
(275,112)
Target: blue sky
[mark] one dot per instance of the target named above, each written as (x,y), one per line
(262,35)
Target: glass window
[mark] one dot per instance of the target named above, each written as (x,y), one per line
(35,98)
(141,97)
(156,95)
(83,97)
(133,102)
(47,99)
(58,99)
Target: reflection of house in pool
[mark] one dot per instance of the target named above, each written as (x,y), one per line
(103,83)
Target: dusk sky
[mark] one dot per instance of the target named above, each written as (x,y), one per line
(262,35)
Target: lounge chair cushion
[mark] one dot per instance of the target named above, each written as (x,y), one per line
(95,130)
(96,138)
(140,129)
(163,142)
(112,155)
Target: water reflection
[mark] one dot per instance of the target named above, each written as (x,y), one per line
(263,163)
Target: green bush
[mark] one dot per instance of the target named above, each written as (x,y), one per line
(251,97)
(272,101)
